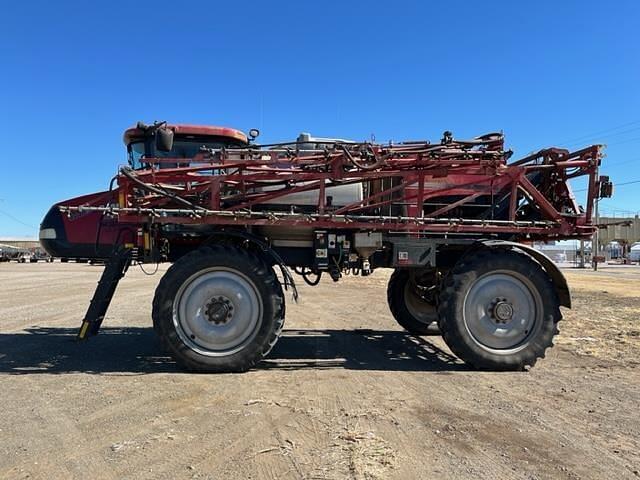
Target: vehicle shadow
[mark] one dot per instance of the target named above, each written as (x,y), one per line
(136,350)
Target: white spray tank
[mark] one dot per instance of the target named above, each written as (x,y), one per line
(340,195)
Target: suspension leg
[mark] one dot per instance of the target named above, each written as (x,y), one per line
(114,270)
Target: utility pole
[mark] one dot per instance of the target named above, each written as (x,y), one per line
(594,242)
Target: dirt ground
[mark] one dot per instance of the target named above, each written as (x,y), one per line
(345,393)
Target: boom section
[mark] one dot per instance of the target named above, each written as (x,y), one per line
(454,186)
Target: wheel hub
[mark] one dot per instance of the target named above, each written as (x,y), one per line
(418,305)
(219,310)
(502,311)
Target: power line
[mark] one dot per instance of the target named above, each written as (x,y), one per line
(16,219)
(599,137)
(623,141)
(615,184)
(617,164)
(589,135)
(627,183)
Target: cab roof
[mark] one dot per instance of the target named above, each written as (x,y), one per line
(187,129)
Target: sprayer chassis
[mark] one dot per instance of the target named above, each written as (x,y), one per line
(450,218)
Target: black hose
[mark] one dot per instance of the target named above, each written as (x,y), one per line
(304,273)
(126,172)
(358,163)
(314,282)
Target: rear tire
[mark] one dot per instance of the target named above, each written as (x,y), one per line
(410,310)
(219,309)
(498,310)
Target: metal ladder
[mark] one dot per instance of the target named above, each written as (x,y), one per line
(114,270)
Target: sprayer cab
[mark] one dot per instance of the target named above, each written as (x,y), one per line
(163,141)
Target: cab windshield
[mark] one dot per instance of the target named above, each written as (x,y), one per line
(182,148)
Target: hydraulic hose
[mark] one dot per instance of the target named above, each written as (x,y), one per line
(304,273)
(127,173)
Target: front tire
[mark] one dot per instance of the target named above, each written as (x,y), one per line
(219,309)
(498,310)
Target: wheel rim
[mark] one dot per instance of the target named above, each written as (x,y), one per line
(502,311)
(421,310)
(217,311)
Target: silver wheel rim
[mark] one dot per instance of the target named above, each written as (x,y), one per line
(420,310)
(217,311)
(502,311)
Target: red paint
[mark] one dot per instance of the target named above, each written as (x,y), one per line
(422,173)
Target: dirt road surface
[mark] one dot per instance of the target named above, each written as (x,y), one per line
(345,394)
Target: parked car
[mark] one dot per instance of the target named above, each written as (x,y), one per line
(23,257)
(40,255)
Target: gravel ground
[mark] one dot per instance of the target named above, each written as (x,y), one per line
(345,393)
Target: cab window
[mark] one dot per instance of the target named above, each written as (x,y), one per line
(182,148)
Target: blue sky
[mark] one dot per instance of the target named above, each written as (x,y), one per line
(73,76)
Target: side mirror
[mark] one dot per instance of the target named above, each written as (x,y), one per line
(253,134)
(164,139)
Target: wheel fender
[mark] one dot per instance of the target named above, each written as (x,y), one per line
(557,277)
(266,250)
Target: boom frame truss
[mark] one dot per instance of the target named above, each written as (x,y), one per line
(235,186)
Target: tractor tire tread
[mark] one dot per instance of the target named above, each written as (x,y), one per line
(273,308)
(454,289)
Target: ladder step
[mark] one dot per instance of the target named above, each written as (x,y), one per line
(114,270)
